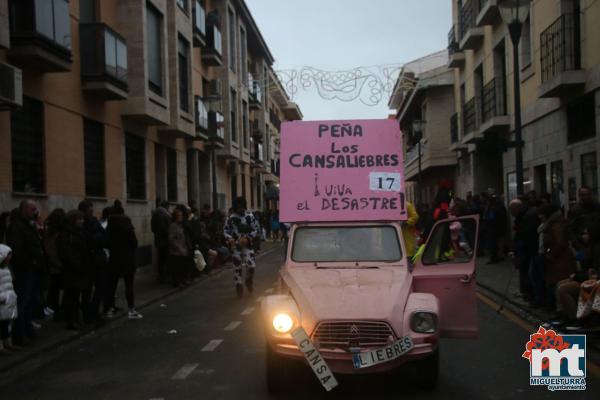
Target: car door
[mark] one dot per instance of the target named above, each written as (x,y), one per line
(447,270)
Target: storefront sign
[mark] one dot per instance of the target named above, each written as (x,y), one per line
(342,171)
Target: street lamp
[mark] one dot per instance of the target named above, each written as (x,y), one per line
(418,126)
(514,13)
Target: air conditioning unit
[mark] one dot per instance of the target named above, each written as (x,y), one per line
(11,86)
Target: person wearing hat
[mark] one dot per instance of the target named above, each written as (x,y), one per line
(8,300)
(240,230)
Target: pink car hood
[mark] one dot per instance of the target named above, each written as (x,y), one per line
(354,294)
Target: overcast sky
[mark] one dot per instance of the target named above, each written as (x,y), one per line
(344,34)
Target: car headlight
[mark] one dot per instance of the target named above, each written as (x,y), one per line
(423,322)
(283,323)
(281,314)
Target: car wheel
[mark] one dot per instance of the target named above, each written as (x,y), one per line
(277,371)
(428,370)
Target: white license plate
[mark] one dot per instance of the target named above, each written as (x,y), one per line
(388,353)
(316,362)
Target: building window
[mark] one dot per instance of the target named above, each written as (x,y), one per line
(87,11)
(93,146)
(589,172)
(245,123)
(243,186)
(581,119)
(154,43)
(183,4)
(184,60)
(233,188)
(53,21)
(233,120)
(27,147)
(172,175)
(243,57)
(232,40)
(556,182)
(135,165)
(526,43)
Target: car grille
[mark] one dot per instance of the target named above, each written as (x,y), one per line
(346,334)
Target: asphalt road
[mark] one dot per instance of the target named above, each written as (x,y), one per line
(218,351)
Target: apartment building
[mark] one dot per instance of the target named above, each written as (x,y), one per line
(560,97)
(423,100)
(129,100)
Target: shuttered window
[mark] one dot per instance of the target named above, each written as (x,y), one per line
(93,139)
(27,147)
(135,160)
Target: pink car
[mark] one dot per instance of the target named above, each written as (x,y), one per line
(351,302)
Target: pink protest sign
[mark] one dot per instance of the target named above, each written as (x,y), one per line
(342,171)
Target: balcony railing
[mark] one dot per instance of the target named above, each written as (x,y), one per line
(216,126)
(452,42)
(470,122)
(201,115)
(494,99)
(454,128)
(412,154)
(199,18)
(103,54)
(560,47)
(258,154)
(468,13)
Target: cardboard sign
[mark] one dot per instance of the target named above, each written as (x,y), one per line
(342,171)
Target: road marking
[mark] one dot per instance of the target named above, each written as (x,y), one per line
(515,319)
(269,290)
(259,299)
(184,372)
(248,311)
(232,325)
(213,344)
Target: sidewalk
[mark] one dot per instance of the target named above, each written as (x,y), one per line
(500,282)
(53,335)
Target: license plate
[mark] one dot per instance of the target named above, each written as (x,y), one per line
(316,362)
(388,353)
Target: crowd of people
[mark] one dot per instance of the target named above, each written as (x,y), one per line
(67,267)
(557,254)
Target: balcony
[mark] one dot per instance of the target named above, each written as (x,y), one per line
(471,121)
(275,121)
(258,130)
(201,119)
(254,92)
(258,153)
(103,61)
(411,155)
(560,52)
(456,58)
(40,35)
(212,55)
(493,108)
(471,36)
(216,128)
(488,13)
(199,22)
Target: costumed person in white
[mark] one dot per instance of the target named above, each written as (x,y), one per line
(8,300)
(240,230)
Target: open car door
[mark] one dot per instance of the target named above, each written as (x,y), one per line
(447,270)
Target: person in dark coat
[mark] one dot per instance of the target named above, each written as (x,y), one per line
(524,244)
(97,240)
(160,228)
(581,216)
(28,263)
(75,258)
(122,245)
(55,223)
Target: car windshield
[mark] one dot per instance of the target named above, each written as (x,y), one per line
(353,243)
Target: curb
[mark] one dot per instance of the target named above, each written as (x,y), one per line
(529,318)
(115,322)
